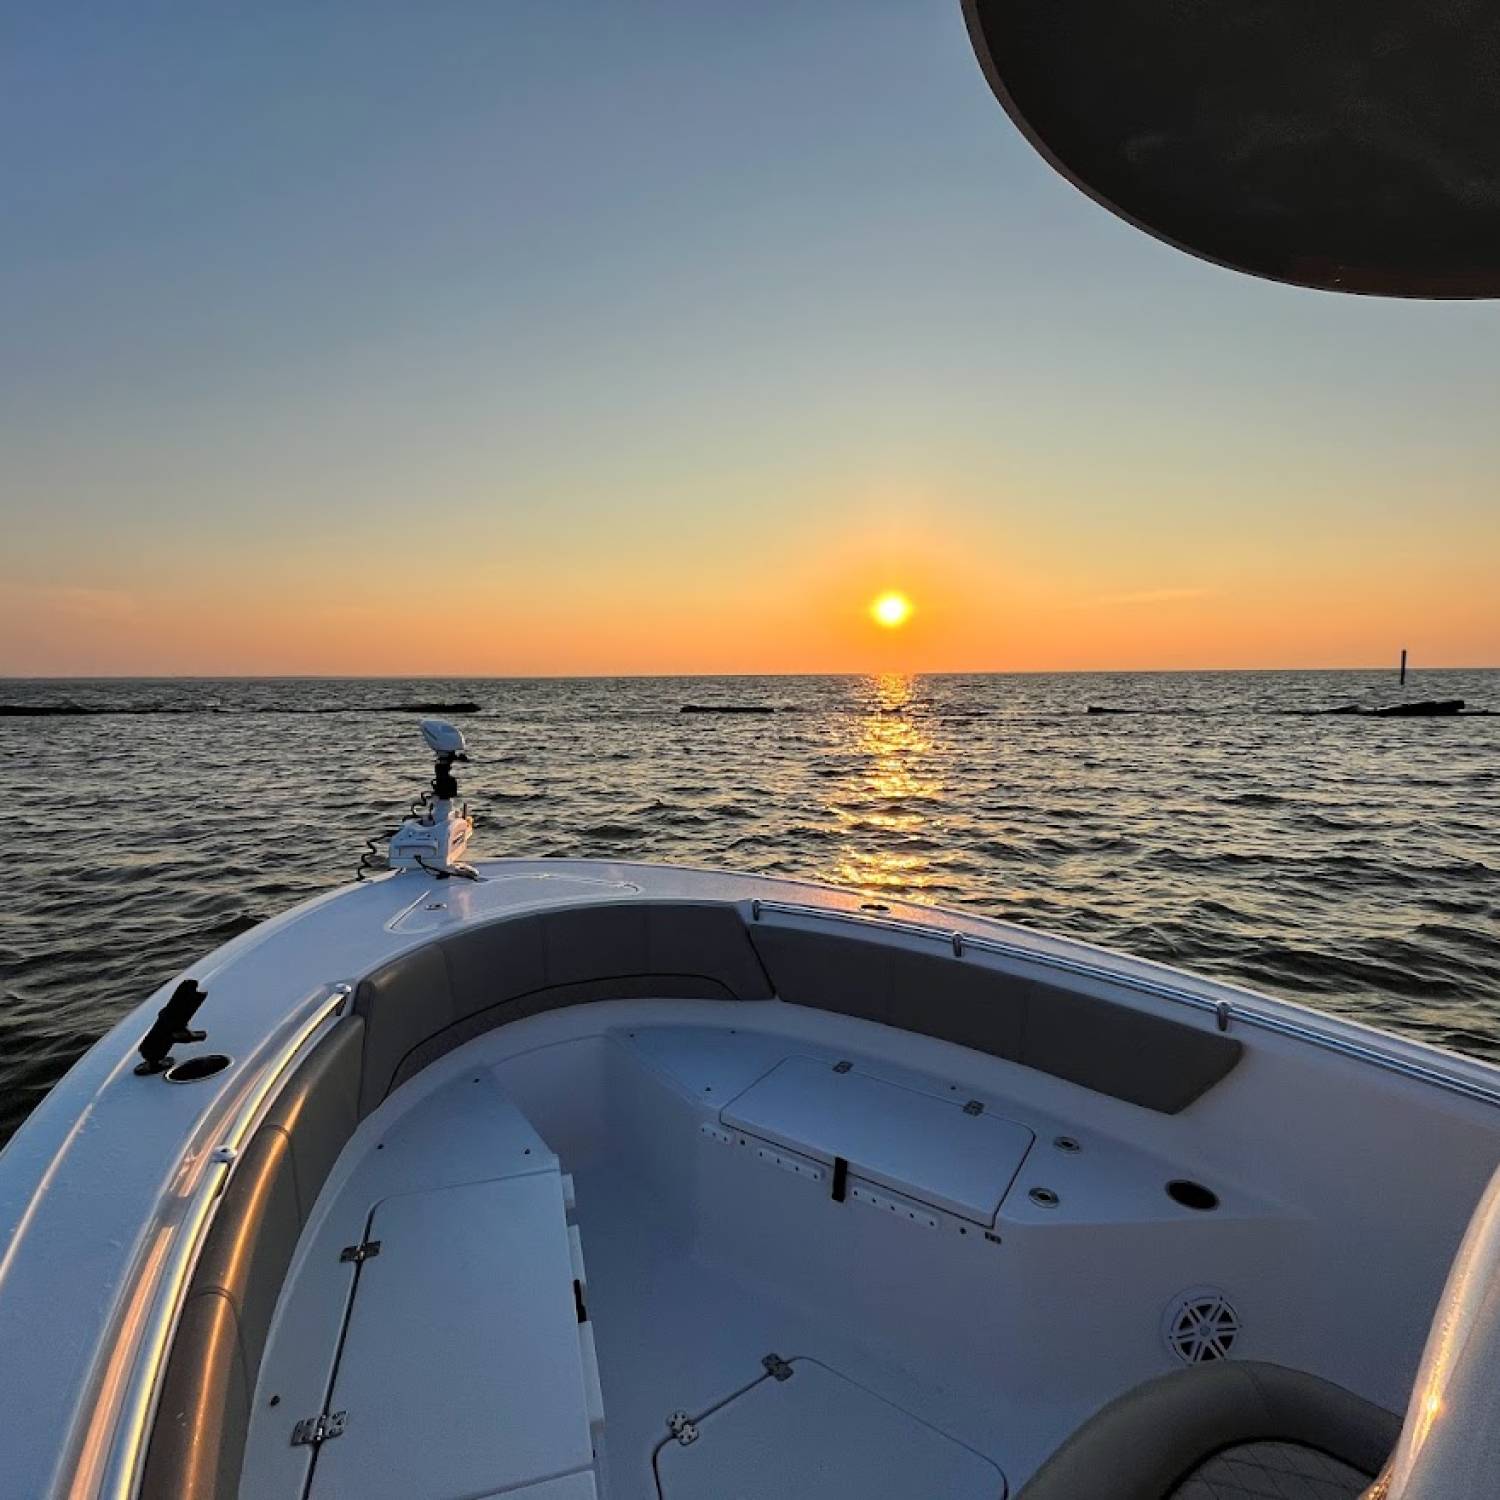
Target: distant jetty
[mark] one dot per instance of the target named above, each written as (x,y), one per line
(1431,708)
(727,708)
(1434,708)
(91,710)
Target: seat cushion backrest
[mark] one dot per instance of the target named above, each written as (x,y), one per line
(1105,1045)
(424,1003)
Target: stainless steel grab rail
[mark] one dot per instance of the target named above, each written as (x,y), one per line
(112,1450)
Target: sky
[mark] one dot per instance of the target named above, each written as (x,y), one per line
(525,338)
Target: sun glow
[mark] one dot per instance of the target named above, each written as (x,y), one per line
(891,610)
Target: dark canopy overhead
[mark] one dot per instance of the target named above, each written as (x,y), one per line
(1347,144)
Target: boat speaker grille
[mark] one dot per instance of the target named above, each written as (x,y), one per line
(1201,1325)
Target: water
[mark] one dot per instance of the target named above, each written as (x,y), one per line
(1351,863)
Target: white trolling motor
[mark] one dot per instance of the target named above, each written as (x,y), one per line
(436,839)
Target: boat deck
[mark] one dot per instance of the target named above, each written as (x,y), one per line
(830,1268)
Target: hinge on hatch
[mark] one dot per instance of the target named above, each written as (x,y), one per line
(974,1107)
(311,1431)
(680,1425)
(360,1253)
(776,1367)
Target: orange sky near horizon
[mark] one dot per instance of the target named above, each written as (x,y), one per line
(769,607)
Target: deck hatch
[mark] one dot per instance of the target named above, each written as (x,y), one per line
(803,1429)
(947,1155)
(462,1368)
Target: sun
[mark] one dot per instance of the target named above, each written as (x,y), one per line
(891,610)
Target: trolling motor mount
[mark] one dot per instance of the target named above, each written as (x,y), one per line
(437,839)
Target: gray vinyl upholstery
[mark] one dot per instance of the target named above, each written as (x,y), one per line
(1216,1432)
(1273,1471)
(425,1003)
(197,1442)
(1112,1048)
(434,999)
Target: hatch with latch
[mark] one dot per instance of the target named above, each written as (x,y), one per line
(955,1155)
(804,1430)
(464,1369)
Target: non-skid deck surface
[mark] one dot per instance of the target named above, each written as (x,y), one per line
(678,1335)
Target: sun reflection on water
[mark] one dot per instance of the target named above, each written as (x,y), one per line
(883,806)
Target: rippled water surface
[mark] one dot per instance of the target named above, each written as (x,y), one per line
(1352,863)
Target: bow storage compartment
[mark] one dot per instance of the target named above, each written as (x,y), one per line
(804,1430)
(954,1155)
(466,1367)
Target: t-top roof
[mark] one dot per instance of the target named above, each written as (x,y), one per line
(1350,145)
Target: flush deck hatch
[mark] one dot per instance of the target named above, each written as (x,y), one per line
(816,1433)
(462,1372)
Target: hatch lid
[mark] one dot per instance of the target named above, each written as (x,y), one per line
(814,1432)
(461,1371)
(961,1160)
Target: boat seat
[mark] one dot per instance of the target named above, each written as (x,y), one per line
(433,999)
(1236,1430)
(1104,1045)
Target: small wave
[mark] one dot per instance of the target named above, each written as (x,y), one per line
(726,708)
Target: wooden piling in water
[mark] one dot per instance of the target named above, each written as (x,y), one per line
(1403,666)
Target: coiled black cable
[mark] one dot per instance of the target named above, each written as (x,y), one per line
(372,858)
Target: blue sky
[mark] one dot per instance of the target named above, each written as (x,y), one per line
(659,337)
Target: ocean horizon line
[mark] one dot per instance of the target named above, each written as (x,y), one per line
(1386,668)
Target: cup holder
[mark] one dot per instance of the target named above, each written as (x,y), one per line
(1192,1195)
(195,1069)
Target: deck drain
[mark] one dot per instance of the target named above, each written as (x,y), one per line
(1043,1197)
(1200,1325)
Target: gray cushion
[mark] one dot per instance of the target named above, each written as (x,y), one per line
(1151,1442)
(691,938)
(1115,1049)
(402,1003)
(250,1242)
(488,965)
(198,1439)
(1273,1471)
(427,1002)
(319,1108)
(525,955)
(589,941)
